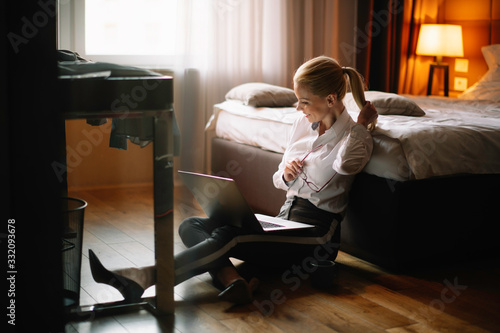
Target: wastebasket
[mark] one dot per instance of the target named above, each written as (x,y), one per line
(72,236)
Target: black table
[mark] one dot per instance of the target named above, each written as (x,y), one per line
(131,97)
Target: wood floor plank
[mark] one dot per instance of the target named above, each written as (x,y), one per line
(451,298)
(136,253)
(104,230)
(196,291)
(138,231)
(409,307)
(248,324)
(190,318)
(332,316)
(364,308)
(432,294)
(275,295)
(290,320)
(414,328)
(143,321)
(200,291)
(94,201)
(100,325)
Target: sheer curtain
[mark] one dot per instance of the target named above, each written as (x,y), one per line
(223,43)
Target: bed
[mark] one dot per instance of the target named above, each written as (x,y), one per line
(429,192)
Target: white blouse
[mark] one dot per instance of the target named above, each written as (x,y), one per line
(330,162)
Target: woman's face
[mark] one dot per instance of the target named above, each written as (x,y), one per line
(314,107)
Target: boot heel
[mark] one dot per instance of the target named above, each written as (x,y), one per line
(130,290)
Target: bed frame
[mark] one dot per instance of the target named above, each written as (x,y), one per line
(390,223)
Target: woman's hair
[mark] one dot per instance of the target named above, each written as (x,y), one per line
(324,76)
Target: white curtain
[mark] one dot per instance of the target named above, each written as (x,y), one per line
(223,43)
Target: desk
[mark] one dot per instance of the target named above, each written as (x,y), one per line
(130,98)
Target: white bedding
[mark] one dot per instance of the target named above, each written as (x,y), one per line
(455,136)
(267,128)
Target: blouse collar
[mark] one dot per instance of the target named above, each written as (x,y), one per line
(338,126)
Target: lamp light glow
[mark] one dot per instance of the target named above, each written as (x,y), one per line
(440,40)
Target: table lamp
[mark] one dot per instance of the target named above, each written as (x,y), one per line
(440,40)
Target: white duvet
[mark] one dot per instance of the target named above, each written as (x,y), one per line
(455,136)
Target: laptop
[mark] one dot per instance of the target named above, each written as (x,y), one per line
(220,198)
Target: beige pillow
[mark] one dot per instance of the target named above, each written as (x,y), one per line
(386,104)
(488,87)
(259,94)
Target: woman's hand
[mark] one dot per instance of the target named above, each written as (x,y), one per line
(292,170)
(367,115)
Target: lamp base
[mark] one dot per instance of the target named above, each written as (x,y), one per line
(445,67)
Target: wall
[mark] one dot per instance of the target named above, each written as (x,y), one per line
(480,21)
(93,164)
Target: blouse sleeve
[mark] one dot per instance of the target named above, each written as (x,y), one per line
(355,151)
(278,180)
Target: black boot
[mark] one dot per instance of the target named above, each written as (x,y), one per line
(130,290)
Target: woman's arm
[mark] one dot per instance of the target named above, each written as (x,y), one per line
(280,177)
(367,115)
(289,168)
(356,149)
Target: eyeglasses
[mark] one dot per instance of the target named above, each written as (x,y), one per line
(304,177)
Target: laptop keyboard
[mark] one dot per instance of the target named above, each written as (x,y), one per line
(270,225)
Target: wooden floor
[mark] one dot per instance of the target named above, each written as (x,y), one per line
(365,298)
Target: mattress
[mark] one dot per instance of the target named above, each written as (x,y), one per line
(266,128)
(454,137)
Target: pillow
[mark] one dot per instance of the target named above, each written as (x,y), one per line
(488,87)
(491,54)
(262,94)
(386,104)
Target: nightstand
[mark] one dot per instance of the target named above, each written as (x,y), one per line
(443,66)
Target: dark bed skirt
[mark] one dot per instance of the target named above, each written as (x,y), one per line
(390,223)
(430,221)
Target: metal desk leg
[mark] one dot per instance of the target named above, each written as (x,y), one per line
(163,210)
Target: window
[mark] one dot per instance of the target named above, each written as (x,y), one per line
(121,31)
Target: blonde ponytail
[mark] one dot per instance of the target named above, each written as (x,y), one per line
(324,76)
(358,90)
(357,86)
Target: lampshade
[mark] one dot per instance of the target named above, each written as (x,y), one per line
(440,40)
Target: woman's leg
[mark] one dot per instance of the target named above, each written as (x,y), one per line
(197,234)
(207,243)
(211,243)
(203,233)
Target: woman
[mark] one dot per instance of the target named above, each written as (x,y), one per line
(327,148)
